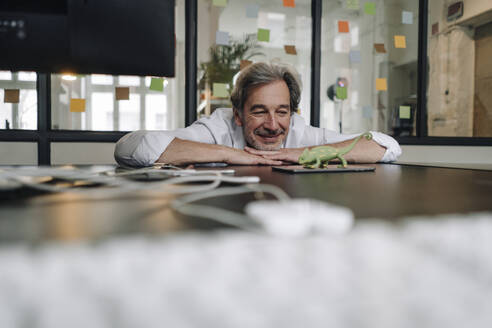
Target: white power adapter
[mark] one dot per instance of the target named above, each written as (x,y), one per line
(297,217)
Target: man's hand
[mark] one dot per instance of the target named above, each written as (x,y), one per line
(241,157)
(286,155)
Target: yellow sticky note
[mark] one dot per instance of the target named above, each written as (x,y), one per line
(220,90)
(381,84)
(290,3)
(220,3)
(400,41)
(77,105)
(405,112)
(11,96)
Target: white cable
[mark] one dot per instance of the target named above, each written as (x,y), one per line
(115,186)
(239,220)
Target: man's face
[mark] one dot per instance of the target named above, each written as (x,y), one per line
(266,116)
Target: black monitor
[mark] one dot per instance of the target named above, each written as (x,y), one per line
(120,37)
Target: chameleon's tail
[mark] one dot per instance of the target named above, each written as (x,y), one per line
(345,150)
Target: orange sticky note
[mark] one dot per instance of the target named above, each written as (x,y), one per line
(381,84)
(343,26)
(380,48)
(11,96)
(290,3)
(122,93)
(244,63)
(291,50)
(77,105)
(400,41)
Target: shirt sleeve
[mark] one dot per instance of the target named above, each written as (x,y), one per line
(393,149)
(143,148)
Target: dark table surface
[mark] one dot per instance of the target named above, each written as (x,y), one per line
(391,192)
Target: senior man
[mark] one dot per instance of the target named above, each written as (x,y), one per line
(262,128)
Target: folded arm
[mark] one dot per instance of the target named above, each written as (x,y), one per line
(180,152)
(364,151)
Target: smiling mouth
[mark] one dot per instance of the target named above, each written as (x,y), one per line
(270,138)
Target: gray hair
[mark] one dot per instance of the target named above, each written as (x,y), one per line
(265,73)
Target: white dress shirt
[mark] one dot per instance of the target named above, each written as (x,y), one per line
(143,148)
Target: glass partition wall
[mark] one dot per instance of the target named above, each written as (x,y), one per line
(369,66)
(233,33)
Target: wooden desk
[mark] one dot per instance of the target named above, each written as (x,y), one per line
(391,192)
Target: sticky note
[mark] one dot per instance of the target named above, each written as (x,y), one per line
(367,112)
(405,112)
(11,96)
(222,38)
(157,84)
(220,90)
(252,10)
(77,105)
(244,63)
(380,48)
(370,8)
(343,26)
(354,56)
(341,92)
(263,35)
(400,41)
(435,28)
(381,84)
(122,93)
(290,3)
(407,17)
(291,50)
(353,4)
(220,3)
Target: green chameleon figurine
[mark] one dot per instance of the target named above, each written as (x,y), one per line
(320,156)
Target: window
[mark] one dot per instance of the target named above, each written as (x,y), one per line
(18,100)
(369,66)
(265,29)
(104,110)
(460,71)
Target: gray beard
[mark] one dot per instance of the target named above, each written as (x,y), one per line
(251,142)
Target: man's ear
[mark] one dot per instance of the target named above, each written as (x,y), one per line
(237,117)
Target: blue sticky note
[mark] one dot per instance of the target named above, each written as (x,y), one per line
(222,38)
(407,17)
(252,11)
(354,56)
(367,112)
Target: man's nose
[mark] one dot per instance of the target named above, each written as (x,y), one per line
(271,122)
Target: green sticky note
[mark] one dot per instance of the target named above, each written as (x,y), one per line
(342,92)
(220,3)
(405,112)
(353,4)
(220,90)
(157,84)
(370,8)
(263,35)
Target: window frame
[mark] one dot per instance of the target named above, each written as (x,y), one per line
(44,135)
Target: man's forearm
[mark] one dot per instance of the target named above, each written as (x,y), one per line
(180,152)
(364,151)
